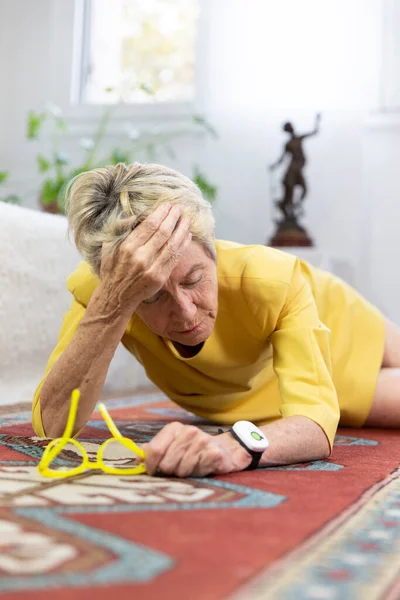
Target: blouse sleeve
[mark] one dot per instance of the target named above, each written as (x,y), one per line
(69,327)
(302,360)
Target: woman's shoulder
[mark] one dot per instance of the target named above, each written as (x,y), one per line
(82,282)
(257,277)
(254,262)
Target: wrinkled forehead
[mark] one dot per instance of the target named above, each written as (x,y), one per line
(194,258)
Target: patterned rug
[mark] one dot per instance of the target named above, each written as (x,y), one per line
(327,530)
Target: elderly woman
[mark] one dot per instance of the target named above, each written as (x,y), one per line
(230,332)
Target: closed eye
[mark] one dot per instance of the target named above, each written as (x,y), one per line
(154,299)
(191,283)
(161,293)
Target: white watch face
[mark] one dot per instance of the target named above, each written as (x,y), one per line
(251,436)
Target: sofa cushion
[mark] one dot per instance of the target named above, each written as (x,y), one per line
(35,260)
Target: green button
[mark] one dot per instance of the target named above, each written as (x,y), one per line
(256,435)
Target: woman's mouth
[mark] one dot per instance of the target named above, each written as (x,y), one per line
(192,330)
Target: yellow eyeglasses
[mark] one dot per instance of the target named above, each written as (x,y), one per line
(56,446)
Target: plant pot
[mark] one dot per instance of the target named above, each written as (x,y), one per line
(51,208)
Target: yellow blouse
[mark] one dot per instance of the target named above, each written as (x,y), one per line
(267,357)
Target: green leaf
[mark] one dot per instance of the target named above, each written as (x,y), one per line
(3,176)
(199,120)
(208,190)
(50,190)
(61,125)
(145,87)
(43,164)
(34,124)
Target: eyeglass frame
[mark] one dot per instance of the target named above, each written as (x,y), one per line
(56,445)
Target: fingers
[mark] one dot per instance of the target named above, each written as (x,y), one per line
(147,225)
(154,230)
(183,451)
(151,234)
(163,218)
(157,448)
(165,233)
(200,459)
(173,249)
(119,227)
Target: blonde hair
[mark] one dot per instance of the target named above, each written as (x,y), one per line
(97,201)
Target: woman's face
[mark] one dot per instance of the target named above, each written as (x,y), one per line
(185,308)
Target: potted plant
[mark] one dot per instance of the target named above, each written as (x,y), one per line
(56,167)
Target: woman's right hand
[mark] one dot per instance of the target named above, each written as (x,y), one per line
(144,261)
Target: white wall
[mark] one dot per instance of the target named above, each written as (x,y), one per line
(261,62)
(382,151)
(24,66)
(268,62)
(382,197)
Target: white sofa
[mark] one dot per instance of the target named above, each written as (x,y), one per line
(35,260)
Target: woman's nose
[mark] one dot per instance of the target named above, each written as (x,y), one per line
(185,305)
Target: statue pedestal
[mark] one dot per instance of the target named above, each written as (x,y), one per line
(289,233)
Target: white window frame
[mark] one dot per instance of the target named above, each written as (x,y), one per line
(387,117)
(390,62)
(66,22)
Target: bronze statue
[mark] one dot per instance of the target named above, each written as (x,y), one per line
(290,232)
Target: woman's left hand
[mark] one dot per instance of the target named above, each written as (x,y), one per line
(185,450)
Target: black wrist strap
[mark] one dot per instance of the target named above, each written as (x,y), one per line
(256,456)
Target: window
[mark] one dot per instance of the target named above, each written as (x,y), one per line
(137,51)
(390,79)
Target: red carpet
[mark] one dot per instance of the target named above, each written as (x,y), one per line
(324,530)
